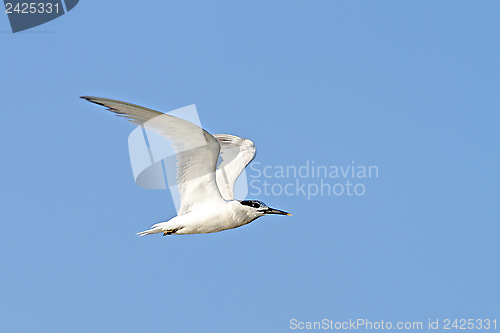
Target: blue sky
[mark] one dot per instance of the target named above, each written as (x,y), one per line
(410,87)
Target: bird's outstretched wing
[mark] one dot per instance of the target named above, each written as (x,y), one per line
(197,151)
(236,153)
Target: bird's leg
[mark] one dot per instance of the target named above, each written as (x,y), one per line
(171,231)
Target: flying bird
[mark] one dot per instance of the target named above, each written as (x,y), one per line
(206,192)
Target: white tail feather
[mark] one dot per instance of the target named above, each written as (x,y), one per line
(154,230)
(161,227)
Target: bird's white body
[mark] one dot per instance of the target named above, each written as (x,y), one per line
(229,215)
(207,196)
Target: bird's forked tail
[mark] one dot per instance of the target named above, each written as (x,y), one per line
(162,227)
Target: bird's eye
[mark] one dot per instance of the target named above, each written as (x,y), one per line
(255,205)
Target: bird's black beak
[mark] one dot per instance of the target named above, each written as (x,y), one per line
(276,211)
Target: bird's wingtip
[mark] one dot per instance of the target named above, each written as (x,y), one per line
(89,98)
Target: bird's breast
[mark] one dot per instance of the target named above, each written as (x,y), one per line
(229,216)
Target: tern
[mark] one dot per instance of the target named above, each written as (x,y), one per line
(206,192)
